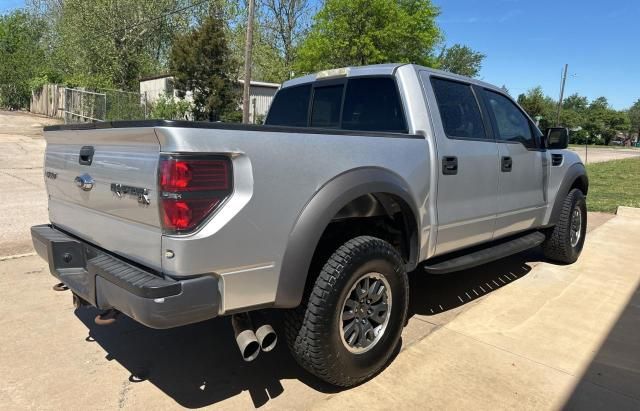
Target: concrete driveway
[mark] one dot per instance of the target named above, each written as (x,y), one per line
(23,200)
(598,154)
(517,333)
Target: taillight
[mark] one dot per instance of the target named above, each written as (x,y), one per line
(191,188)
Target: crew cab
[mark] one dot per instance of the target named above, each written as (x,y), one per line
(359,176)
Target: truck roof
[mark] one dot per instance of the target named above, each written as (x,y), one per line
(385,70)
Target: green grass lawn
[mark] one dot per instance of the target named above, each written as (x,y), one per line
(612,184)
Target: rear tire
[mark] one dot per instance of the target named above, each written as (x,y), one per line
(330,334)
(565,240)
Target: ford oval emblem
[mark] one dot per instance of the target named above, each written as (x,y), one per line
(85,182)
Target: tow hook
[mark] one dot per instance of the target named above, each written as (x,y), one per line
(60,287)
(107,317)
(78,301)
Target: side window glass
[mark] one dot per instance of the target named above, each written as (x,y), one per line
(290,107)
(373,104)
(459,109)
(325,112)
(511,124)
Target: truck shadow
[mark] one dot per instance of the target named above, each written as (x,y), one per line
(196,365)
(434,294)
(199,364)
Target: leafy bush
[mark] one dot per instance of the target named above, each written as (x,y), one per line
(234,116)
(14,96)
(169,108)
(90,82)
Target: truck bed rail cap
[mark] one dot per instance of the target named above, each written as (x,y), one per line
(224,126)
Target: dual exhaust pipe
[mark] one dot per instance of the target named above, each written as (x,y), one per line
(253,334)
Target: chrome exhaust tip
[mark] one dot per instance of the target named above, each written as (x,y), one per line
(267,337)
(265,333)
(245,337)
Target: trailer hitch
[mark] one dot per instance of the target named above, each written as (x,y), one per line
(107,317)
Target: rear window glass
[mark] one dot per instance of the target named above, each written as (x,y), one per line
(290,107)
(373,104)
(369,104)
(458,109)
(325,111)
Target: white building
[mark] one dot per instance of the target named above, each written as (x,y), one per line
(260,93)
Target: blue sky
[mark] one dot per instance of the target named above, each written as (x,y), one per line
(527,42)
(6,5)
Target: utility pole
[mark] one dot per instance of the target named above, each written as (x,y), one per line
(564,80)
(248,50)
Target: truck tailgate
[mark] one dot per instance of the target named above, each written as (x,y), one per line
(102,188)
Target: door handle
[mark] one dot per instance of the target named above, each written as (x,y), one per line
(507,164)
(449,165)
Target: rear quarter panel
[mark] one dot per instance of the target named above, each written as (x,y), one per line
(276,175)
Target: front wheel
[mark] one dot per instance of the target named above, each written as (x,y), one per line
(350,322)
(565,240)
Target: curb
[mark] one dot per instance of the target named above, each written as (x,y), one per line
(628,211)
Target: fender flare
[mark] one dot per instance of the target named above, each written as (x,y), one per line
(574,172)
(316,216)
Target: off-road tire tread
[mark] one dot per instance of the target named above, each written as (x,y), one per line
(303,324)
(557,246)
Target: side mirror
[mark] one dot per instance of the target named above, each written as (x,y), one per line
(556,138)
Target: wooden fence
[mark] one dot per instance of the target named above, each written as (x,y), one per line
(79,105)
(49,101)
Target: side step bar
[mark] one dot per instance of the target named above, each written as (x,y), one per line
(488,253)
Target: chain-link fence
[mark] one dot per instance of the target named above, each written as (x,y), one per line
(126,105)
(81,106)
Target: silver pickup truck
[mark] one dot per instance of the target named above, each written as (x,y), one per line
(359,176)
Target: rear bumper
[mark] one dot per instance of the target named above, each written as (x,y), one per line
(106,281)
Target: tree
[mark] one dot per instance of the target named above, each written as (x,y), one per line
(601,103)
(535,103)
(286,22)
(603,123)
(111,44)
(461,60)
(201,63)
(573,116)
(268,64)
(360,32)
(575,102)
(21,57)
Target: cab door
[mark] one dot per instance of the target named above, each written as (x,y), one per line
(467,174)
(522,168)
